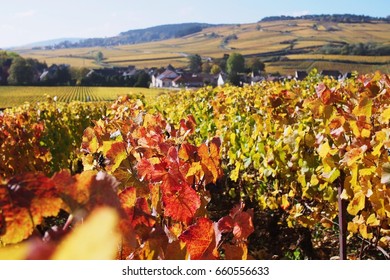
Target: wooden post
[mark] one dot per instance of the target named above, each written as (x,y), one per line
(342,221)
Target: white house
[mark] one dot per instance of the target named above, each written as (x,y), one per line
(165,79)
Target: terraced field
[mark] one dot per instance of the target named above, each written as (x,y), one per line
(11,96)
(261,39)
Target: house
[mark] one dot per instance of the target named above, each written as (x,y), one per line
(114,71)
(188,80)
(164,79)
(131,71)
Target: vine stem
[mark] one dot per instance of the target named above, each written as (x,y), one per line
(342,222)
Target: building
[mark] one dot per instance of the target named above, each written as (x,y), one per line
(188,80)
(165,79)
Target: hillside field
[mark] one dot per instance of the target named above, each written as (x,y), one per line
(278,43)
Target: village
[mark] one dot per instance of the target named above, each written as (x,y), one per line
(198,73)
(171,77)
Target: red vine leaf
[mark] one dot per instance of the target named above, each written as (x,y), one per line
(324,93)
(238,222)
(24,201)
(181,204)
(199,238)
(187,152)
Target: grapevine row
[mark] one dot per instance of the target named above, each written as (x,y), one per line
(289,145)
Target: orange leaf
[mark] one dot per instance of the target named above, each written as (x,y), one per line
(210,160)
(90,142)
(198,238)
(116,153)
(128,197)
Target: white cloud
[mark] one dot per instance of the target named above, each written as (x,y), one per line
(25,14)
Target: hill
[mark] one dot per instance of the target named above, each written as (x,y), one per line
(155,33)
(51,42)
(284,45)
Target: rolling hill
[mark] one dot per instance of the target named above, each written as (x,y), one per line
(285,45)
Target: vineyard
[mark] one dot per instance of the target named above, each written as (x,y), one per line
(280,170)
(11,96)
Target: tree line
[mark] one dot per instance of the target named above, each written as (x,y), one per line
(232,64)
(16,70)
(340,18)
(369,49)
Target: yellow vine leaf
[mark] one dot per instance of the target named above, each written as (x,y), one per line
(331,176)
(196,168)
(364,108)
(357,203)
(324,150)
(385,116)
(373,221)
(285,202)
(234,174)
(96,239)
(353,227)
(364,233)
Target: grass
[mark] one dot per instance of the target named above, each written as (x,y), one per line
(11,96)
(253,39)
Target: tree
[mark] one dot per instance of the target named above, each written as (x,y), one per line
(234,79)
(215,69)
(20,72)
(99,57)
(206,67)
(254,64)
(235,63)
(6,59)
(63,75)
(195,63)
(143,80)
(78,74)
(222,62)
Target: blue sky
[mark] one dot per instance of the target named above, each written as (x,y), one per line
(26,21)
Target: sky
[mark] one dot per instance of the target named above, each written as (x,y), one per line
(28,21)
